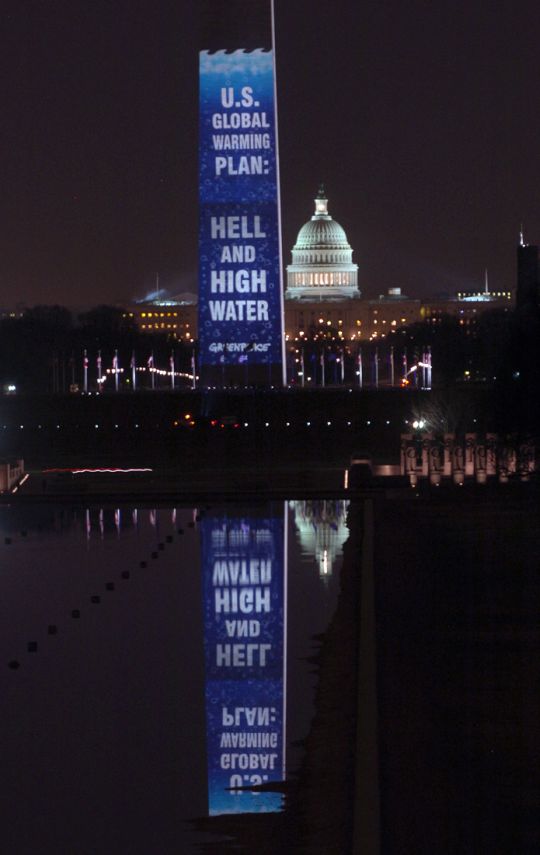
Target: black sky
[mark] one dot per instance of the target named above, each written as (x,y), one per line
(421,117)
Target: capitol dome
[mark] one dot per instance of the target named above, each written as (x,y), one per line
(321,232)
(322,266)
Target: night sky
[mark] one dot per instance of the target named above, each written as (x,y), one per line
(421,117)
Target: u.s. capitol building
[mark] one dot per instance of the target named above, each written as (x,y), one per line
(322,293)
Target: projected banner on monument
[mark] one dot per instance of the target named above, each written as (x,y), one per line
(240,295)
(243,565)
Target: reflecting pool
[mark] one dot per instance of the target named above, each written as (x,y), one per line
(156,666)
(164,678)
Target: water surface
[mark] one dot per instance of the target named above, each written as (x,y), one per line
(113,722)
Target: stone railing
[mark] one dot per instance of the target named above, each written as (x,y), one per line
(473,457)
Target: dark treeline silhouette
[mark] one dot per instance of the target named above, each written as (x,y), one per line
(501,347)
(44,350)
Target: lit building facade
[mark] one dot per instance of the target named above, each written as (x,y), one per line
(350,320)
(322,297)
(322,267)
(175,317)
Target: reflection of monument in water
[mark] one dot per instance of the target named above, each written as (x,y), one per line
(322,530)
(244,569)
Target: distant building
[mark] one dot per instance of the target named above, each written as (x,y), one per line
(484,296)
(528,279)
(466,306)
(322,297)
(175,316)
(388,312)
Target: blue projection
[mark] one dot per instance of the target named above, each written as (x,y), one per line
(244,627)
(240,299)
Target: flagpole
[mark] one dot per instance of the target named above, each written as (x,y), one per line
(360,369)
(133,371)
(99,369)
(171,363)
(225,350)
(193,372)
(392,378)
(115,370)
(85,371)
(151,369)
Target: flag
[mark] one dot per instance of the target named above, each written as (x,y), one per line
(85,361)
(133,366)
(171,361)
(115,361)
(150,361)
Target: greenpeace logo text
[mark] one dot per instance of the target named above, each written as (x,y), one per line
(239,347)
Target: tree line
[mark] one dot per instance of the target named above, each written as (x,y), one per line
(43,351)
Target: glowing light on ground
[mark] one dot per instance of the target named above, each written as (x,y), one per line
(96,471)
